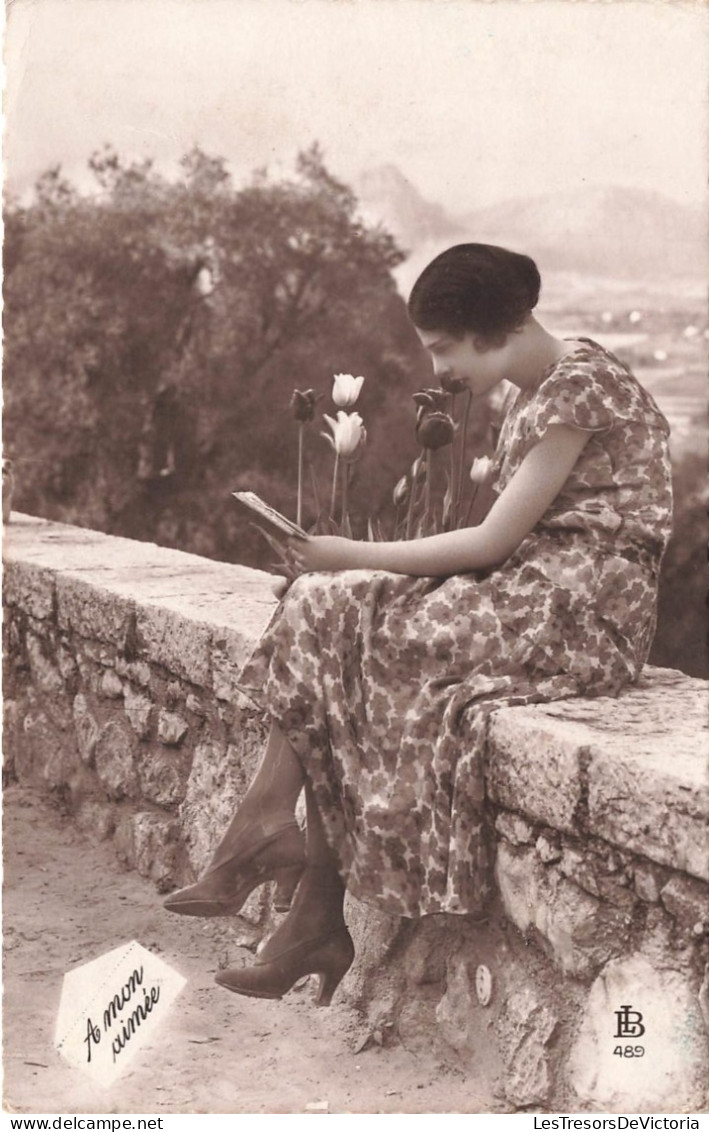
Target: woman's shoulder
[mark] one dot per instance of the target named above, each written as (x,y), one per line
(591,389)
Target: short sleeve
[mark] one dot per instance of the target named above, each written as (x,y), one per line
(583,398)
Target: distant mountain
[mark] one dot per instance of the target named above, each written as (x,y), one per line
(386,196)
(609,232)
(619,232)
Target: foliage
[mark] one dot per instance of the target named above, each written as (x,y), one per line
(153,331)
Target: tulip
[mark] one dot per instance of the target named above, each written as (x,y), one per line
(303,404)
(348,435)
(480,470)
(453,384)
(434,430)
(433,399)
(346,389)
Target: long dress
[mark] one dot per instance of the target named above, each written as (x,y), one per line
(384,683)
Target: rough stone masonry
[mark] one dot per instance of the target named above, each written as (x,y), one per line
(120,701)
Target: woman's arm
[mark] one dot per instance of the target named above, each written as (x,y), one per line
(529,493)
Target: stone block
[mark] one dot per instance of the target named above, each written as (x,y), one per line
(12,734)
(377,937)
(136,670)
(687,900)
(45,673)
(514,828)
(230,653)
(115,762)
(149,843)
(416,1026)
(548,848)
(36,737)
(195,705)
(162,775)
(139,670)
(139,710)
(526,1028)
(654,803)
(535,766)
(92,611)
(211,799)
(672,1074)
(459,1016)
(60,765)
(111,685)
(425,956)
(172,728)
(67,664)
(30,588)
(576,865)
(181,646)
(647,882)
(174,693)
(86,729)
(579,932)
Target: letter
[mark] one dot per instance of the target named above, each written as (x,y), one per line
(116,1043)
(154,996)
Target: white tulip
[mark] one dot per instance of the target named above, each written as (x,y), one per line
(348,434)
(480,470)
(346,389)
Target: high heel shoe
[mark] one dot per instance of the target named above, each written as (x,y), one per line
(224,888)
(329,956)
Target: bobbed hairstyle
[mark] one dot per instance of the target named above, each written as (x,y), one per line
(475,288)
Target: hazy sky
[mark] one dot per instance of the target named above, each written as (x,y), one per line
(475,100)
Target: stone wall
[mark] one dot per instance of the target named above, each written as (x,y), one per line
(120,702)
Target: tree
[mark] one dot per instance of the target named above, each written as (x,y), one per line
(154,330)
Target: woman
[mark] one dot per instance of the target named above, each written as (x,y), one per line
(384,660)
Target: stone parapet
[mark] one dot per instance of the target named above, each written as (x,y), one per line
(121,702)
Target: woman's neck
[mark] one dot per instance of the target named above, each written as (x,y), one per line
(534,350)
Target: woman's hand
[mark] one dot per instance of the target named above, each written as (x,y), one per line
(320,553)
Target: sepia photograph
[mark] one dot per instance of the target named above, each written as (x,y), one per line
(355,673)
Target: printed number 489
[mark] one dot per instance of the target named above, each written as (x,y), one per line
(629,1051)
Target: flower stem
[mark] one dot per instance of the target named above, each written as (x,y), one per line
(461,468)
(429,477)
(299,511)
(333,497)
(450,525)
(344,520)
(470,506)
(412,499)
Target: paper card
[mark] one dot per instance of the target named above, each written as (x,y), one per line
(111,1008)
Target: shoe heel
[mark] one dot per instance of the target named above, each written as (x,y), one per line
(287,880)
(334,963)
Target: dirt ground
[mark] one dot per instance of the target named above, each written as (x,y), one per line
(67,901)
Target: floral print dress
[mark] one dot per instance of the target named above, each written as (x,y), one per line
(384,683)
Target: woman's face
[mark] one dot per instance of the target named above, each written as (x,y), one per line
(468,359)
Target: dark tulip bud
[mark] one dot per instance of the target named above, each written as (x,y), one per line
(432,399)
(434,430)
(303,404)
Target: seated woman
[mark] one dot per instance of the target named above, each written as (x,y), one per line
(382,663)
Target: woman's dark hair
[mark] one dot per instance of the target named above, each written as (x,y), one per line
(476,288)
